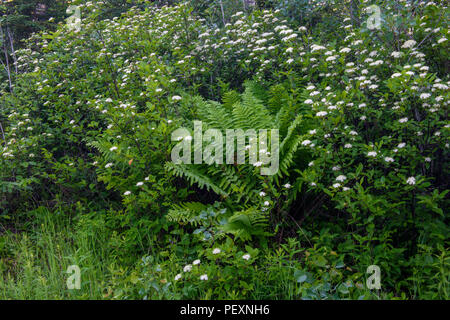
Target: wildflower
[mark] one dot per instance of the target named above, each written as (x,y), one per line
(411,181)
(372,154)
(306,142)
(401,145)
(258,164)
(187,268)
(246,257)
(316,47)
(347,146)
(127,193)
(287,185)
(321,114)
(176,98)
(341,178)
(112,149)
(409,44)
(389,159)
(424,96)
(262,194)
(196,262)
(403,120)
(108,165)
(442,40)
(266,203)
(336,185)
(178,277)
(139,184)
(216,251)
(204,277)
(428,159)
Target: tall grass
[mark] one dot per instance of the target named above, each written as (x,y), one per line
(33,265)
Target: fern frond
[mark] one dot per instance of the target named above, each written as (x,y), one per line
(185,213)
(247,223)
(194,176)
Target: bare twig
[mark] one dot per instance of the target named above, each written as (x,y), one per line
(3,133)
(306,237)
(8,70)
(223,13)
(13,52)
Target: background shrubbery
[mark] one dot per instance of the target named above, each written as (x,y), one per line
(363,179)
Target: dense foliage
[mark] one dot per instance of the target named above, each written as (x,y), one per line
(362,114)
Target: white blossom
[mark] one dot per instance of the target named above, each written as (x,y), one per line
(187,268)
(411,181)
(306,142)
(246,257)
(409,44)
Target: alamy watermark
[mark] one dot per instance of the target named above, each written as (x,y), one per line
(74,21)
(74,280)
(374,21)
(236,147)
(374,281)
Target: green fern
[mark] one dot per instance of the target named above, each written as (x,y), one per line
(247,223)
(186,213)
(240,184)
(195,176)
